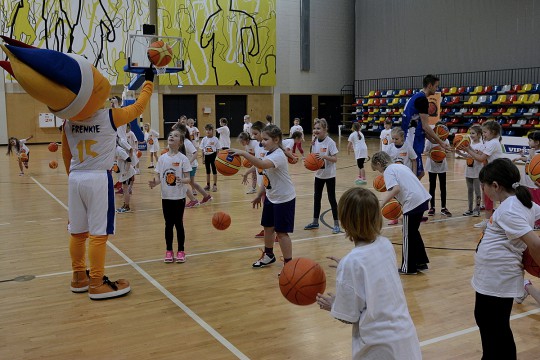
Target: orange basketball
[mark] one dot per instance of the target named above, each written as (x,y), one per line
(442,132)
(300,281)
(293,161)
(53,147)
(392,210)
(221,220)
(312,163)
(166,150)
(527,168)
(23,156)
(246,163)
(227,164)
(470,163)
(461,141)
(437,154)
(139,153)
(534,169)
(159,53)
(530,265)
(53,164)
(378,183)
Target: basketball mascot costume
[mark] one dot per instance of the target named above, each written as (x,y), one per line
(75,90)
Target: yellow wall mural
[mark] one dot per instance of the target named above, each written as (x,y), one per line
(225,42)
(95,29)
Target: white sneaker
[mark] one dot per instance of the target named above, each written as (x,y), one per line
(481,225)
(264,260)
(251,191)
(520,299)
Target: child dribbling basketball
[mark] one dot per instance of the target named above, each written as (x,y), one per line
(403,184)
(324,148)
(436,169)
(369,294)
(21,151)
(173,168)
(498,268)
(209,146)
(279,196)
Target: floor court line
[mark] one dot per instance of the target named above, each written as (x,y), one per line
(164,291)
(214,333)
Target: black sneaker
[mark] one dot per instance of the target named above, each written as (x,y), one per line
(468,213)
(264,260)
(422,267)
(401,272)
(431,212)
(445,212)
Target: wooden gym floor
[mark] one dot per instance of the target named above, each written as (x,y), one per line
(215,306)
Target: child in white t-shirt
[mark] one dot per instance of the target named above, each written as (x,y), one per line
(173,168)
(151,137)
(247,125)
(472,170)
(498,267)
(194,133)
(126,175)
(278,195)
(209,146)
(289,144)
(297,128)
(134,144)
(224,134)
(414,199)
(324,148)
(400,151)
(534,145)
(491,131)
(365,279)
(21,151)
(357,143)
(386,137)
(436,169)
(250,146)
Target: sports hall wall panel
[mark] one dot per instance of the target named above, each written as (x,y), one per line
(402,38)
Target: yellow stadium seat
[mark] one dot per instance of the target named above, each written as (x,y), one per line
(477,90)
(452,91)
(521,99)
(480,111)
(369,102)
(532,99)
(525,88)
(510,111)
(472,100)
(393,102)
(401,92)
(371,93)
(500,99)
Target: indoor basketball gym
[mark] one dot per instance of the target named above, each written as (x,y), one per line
(215,305)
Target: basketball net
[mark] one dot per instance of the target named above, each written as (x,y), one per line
(160,70)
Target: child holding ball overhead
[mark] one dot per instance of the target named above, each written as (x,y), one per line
(173,168)
(403,184)
(278,193)
(21,151)
(498,268)
(324,148)
(365,278)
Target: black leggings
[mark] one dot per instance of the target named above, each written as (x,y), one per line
(173,212)
(492,315)
(330,190)
(433,186)
(210,160)
(360,162)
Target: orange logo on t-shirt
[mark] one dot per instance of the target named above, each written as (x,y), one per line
(385,141)
(403,154)
(175,164)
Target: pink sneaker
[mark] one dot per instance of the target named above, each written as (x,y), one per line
(206,199)
(180,257)
(260,235)
(168,257)
(192,204)
(393,222)
(120,192)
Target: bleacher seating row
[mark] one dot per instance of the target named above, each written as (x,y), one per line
(463,90)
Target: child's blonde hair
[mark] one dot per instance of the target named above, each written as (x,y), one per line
(360,215)
(381,158)
(274,132)
(322,122)
(243,136)
(398,131)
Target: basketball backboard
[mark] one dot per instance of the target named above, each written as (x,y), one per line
(137,60)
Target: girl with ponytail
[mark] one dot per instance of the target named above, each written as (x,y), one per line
(498,269)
